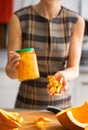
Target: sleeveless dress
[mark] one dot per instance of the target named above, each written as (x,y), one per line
(51,41)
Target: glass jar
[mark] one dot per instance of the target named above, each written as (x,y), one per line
(28,66)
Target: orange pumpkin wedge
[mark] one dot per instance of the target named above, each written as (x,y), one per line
(75,118)
(9,119)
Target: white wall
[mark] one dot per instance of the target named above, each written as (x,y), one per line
(84,9)
(8,90)
(8,87)
(79,6)
(71,4)
(22,3)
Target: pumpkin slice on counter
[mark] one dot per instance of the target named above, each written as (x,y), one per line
(41,121)
(75,118)
(9,119)
(44,119)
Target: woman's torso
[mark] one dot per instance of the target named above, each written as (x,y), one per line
(51,40)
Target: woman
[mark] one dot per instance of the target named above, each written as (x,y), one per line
(56,33)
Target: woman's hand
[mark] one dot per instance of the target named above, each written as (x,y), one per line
(58,77)
(13,59)
(57,84)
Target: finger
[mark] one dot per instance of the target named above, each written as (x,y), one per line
(14,60)
(16,65)
(13,55)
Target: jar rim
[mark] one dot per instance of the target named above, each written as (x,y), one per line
(25,50)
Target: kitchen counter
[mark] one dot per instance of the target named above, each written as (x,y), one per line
(29,118)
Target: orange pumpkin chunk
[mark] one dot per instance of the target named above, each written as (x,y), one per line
(54,86)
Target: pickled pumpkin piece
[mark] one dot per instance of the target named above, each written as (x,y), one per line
(44,119)
(54,86)
(41,125)
(14,113)
(51,78)
(41,122)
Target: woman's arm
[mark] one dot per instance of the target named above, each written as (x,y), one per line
(72,70)
(14,43)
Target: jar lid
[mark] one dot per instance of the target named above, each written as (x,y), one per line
(24,50)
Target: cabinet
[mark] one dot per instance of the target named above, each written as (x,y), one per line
(5,14)
(80,93)
(5,10)
(2,36)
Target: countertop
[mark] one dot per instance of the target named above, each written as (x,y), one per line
(29,118)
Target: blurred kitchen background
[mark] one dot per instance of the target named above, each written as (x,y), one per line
(8,87)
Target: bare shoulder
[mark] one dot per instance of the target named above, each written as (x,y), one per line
(79,26)
(14,21)
(81,21)
(14,33)
(14,17)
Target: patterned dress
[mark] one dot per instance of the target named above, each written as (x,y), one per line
(51,40)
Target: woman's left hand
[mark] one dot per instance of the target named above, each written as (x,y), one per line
(58,77)
(57,84)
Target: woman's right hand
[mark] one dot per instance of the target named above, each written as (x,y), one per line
(13,60)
